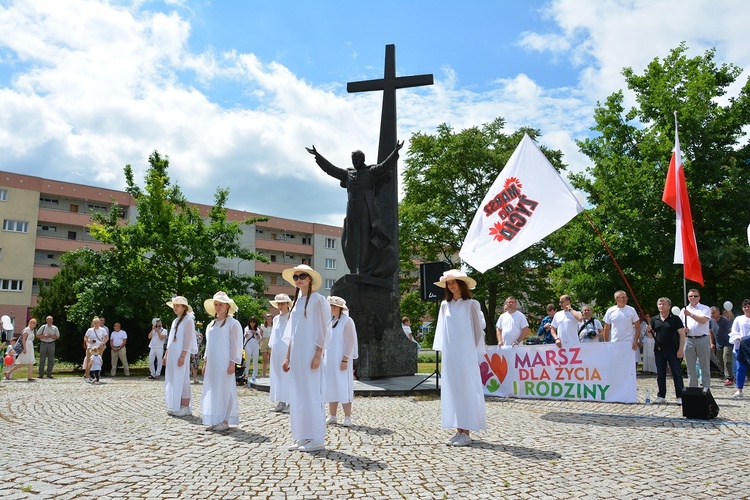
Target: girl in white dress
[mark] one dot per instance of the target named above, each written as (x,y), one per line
(181,343)
(459,335)
(339,355)
(279,382)
(307,331)
(223,352)
(252,337)
(26,358)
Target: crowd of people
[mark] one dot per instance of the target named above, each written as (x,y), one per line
(309,349)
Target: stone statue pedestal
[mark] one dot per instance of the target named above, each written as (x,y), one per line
(384,350)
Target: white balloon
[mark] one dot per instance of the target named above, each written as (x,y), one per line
(7,326)
(676,311)
(728,306)
(5,319)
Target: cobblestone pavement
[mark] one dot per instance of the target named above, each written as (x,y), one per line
(67,439)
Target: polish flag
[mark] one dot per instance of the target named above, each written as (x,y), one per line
(676,196)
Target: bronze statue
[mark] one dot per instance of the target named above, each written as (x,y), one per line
(368,249)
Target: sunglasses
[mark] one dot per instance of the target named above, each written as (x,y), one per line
(300,276)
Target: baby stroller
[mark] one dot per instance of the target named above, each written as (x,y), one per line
(239,371)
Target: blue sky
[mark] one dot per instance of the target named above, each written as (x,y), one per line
(233,90)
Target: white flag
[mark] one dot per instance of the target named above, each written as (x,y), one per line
(528,201)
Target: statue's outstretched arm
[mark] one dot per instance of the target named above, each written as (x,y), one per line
(391,160)
(327,166)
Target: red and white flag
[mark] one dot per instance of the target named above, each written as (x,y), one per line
(528,201)
(676,196)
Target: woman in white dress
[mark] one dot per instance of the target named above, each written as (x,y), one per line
(339,356)
(647,343)
(279,382)
(26,358)
(223,352)
(459,335)
(307,331)
(181,343)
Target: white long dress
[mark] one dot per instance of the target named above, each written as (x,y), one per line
(177,378)
(459,335)
(279,389)
(223,345)
(305,333)
(339,384)
(649,360)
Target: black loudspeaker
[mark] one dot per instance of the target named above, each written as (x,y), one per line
(429,273)
(698,404)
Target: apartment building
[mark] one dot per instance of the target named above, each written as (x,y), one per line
(42,219)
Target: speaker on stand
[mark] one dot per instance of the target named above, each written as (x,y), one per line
(429,273)
(697,403)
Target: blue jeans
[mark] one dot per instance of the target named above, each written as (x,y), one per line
(740,370)
(663,358)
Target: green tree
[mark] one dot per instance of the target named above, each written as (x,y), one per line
(172,249)
(630,156)
(446,177)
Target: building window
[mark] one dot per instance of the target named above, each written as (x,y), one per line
(97,208)
(15,226)
(330,263)
(273,258)
(273,280)
(290,236)
(330,243)
(51,229)
(48,201)
(3,195)
(258,231)
(306,241)
(306,262)
(11,285)
(329,283)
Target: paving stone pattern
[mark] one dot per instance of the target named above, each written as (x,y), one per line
(66,439)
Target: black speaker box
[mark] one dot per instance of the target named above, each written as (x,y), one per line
(429,273)
(698,404)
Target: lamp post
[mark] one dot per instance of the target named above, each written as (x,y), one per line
(238,266)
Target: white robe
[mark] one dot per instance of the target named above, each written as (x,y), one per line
(339,384)
(279,389)
(177,378)
(459,335)
(305,334)
(223,345)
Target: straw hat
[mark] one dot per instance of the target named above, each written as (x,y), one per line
(317,280)
(208,304)
(179,300)
(458,275)
(280,297)
(338,301)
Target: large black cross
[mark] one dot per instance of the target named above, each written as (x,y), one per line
(388,132)
(388,84)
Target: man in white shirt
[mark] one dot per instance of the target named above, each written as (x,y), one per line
(621,322)
(47,335)
(512,326)
(698,342)
(117,341)
(156,348)
(565,323)
(589,329)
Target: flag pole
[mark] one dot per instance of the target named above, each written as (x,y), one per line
(617,265)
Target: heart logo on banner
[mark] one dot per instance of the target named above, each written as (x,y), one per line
(499,366)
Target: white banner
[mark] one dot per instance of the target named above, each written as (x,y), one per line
(528,201)
(591,371)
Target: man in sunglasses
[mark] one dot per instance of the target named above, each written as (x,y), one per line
(698,342)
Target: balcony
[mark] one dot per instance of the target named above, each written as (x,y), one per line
(275,289)
(64,245)
(45,272)
(283,246)
(64,217)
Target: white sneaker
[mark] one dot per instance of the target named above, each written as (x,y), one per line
(679,401)
(659,401)
(279,407)
(299,444)
(286,408)
(462,440)
(737,394)
(331,420)
(183,412)
(310,447)
(347,422)
(453,438)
